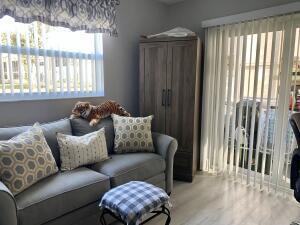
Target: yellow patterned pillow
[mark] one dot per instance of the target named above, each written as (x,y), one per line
(132,134)
(25,159)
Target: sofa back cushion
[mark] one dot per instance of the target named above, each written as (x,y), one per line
(81,127)
(49,129)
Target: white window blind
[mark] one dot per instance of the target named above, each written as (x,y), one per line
(252,86)
(38,61)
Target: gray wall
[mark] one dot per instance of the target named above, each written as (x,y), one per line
(191,13)
(135,17)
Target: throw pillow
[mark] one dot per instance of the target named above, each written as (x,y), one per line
(83,150)
(25,159)
(132,134)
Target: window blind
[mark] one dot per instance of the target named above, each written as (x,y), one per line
(38,61)
(251,87)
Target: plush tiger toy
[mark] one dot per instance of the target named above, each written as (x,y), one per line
(95,113)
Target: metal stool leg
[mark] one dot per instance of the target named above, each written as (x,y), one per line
(102,219)
(164,210)
(168,220)
(106,211)
(295,223)
(167,212)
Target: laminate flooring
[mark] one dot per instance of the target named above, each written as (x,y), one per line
(214,200)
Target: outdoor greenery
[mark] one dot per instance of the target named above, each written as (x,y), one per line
(13,36)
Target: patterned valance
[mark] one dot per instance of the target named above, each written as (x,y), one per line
(93,16)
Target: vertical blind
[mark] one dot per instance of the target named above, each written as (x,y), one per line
(40,61)
(252,86)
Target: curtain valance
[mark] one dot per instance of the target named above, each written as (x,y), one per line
(93,16)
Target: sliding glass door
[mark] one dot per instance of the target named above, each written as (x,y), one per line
(252,86)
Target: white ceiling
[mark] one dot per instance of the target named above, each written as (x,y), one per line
(170,1)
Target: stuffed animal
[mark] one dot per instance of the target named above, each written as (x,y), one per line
(95,113)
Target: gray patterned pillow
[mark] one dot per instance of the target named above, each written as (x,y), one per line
(133,134)
(25,159)
(83,150)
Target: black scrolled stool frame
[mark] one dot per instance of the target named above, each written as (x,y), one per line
(163,210)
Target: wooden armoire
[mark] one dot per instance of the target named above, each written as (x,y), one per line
(169,90)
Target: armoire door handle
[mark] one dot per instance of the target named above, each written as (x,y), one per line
(169,97)
(163,97)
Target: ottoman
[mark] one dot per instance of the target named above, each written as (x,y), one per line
(132,202)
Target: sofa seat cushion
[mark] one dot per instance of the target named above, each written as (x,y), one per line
(60,194)
(122,168)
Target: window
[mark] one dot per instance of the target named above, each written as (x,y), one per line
(38,61)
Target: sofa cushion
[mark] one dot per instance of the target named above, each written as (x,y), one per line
(60,194)
(122,168)
(158,180)
(81,127)
(50,129)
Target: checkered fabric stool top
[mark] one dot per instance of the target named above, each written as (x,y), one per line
(134,200)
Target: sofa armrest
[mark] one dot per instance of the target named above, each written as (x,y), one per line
(8,208)
(166,146)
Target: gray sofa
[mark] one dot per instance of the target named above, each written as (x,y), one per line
(72,197)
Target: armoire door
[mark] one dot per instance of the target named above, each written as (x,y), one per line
(153,75)
(180,113)
(181,80)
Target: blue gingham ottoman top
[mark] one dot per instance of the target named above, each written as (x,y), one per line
(134,200)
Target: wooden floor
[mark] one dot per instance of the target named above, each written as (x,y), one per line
(212,200)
